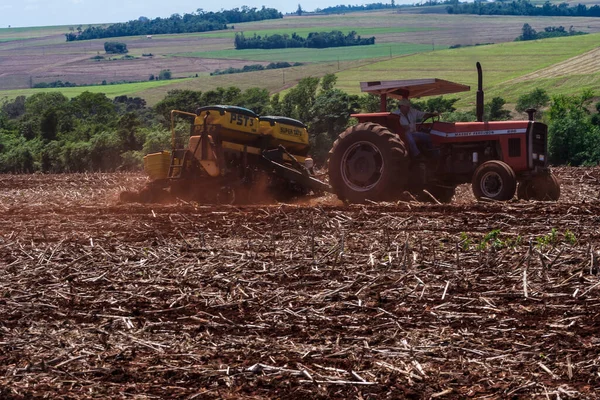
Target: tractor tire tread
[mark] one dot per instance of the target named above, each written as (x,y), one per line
(391,147)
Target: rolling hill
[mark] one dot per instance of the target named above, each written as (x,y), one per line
(407,46)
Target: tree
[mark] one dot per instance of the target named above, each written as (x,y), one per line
(370,103)
(129,104)
(115,48)
(255,99)
(328,81)
(329,116)
(331,111)
(199,21)
(436,104)
(528,33)
(299,10)
(573,139)
(596,117)
(49,124)
(14,109)
(164,74)
(127,129)
(536,99)
(298,102)
(178,99)
(495,111)
(94,108)
(36,104)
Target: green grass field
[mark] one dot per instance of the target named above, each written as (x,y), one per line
(31,32)
(315,55)
(501,63)
(111,91)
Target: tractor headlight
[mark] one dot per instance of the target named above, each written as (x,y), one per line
(535,156)
(309,163)
(542,157)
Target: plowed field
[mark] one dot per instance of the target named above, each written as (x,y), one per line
(315,300)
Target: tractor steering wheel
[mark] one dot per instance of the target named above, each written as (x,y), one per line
(426,129)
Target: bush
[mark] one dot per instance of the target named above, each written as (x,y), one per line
(131,161)
(157,140)
(51,157)
(105,152)
(164,74)
(572,138)
(115,48)
(17,154)
(76,157)
(536,99)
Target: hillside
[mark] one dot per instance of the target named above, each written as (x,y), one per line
(510,69)
(407,45)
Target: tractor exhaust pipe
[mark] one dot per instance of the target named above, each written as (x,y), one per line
(479,93)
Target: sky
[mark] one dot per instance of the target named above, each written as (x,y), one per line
(24,13)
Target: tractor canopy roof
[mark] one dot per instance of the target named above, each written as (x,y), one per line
(410,88)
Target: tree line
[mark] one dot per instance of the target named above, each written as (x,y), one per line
(342,8)
(49,132)
(317,40)
(199,21)
(480,7)
(528,33)
(255,67)
(522,7)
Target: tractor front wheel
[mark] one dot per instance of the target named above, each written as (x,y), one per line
(368,162)
(494,180)
(541,188)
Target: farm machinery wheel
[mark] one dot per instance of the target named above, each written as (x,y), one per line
(367,162)
(540,187)
(494,180)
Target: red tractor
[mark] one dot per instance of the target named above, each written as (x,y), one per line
(370,161)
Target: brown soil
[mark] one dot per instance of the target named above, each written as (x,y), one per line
(316,300)
(32,61)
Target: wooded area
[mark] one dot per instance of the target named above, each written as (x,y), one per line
(199,21)
(522,7)
(316,40)
(479,7)
(49,132)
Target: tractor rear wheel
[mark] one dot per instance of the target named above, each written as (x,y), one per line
(541,188)
(368,162)
(494,180)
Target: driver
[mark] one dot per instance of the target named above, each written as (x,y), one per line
(408,119)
